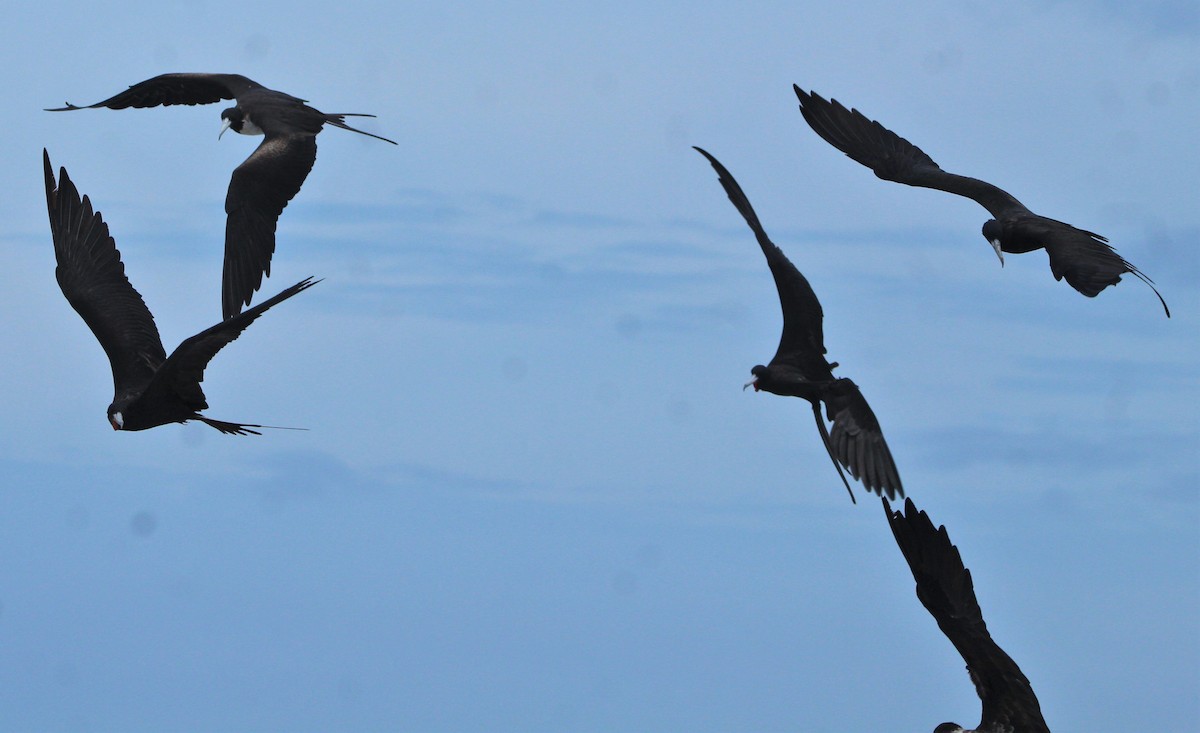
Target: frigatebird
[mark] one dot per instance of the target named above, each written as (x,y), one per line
(149,388)
(799,367)
(1085,259)
(266,181)
(944,587)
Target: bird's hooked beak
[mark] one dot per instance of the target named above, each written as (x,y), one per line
(224,126)
(753,381)
(999,253)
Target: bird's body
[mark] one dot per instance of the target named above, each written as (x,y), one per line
(265,182)
(149,387)
(1084,259)
(800,369)
(945,588)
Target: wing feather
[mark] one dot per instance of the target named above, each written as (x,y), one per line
(170,89)
(891,157)
(92,277)
(183,372)
(859,440)
(945,588)
(1084,259)
(802,343)
(259,190)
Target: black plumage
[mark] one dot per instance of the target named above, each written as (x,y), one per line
(265,182)
(149,388)
(1084,259)
(944,587)
(800,369)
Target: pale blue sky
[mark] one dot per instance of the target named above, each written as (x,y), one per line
(533,496)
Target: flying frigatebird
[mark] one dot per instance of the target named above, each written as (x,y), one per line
(149,388)
(799,367)
(266,181)
(1084,259)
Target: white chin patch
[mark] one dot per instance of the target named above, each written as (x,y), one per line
(249,128)
(118,419)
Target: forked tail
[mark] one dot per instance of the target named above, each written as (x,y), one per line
(816,405)
(337,120)
(1138,273)
(233,428)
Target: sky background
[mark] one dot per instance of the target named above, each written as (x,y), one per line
(533,495)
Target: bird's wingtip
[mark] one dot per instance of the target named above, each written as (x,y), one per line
(709,156)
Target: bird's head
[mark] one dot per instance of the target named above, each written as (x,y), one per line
(230,119)
(949,728)
(235,119)
(755,374)
(992,231)
(116,419)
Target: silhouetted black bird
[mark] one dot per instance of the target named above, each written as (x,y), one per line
(266,181)
(1084,258)
(149,388)
(799,367)
(945,589)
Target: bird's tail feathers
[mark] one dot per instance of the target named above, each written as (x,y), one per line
(337,121)
(1138,274)
(829,448)
(233,428)
(228,428)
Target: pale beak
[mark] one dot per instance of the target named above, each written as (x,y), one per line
(224,126)
(999,253)
(751,382)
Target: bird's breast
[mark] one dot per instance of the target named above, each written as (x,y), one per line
(249,128)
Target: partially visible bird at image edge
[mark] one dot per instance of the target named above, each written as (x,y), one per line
(945,588)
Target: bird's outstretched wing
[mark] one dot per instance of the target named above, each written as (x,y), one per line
(259,190)
(183,371)
(169,89)
(891,157)
(857,441)
(92,277)
(1084,259)
(945,589)
(802,343)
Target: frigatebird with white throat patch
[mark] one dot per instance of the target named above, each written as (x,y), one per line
(266,181)
(149,387)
